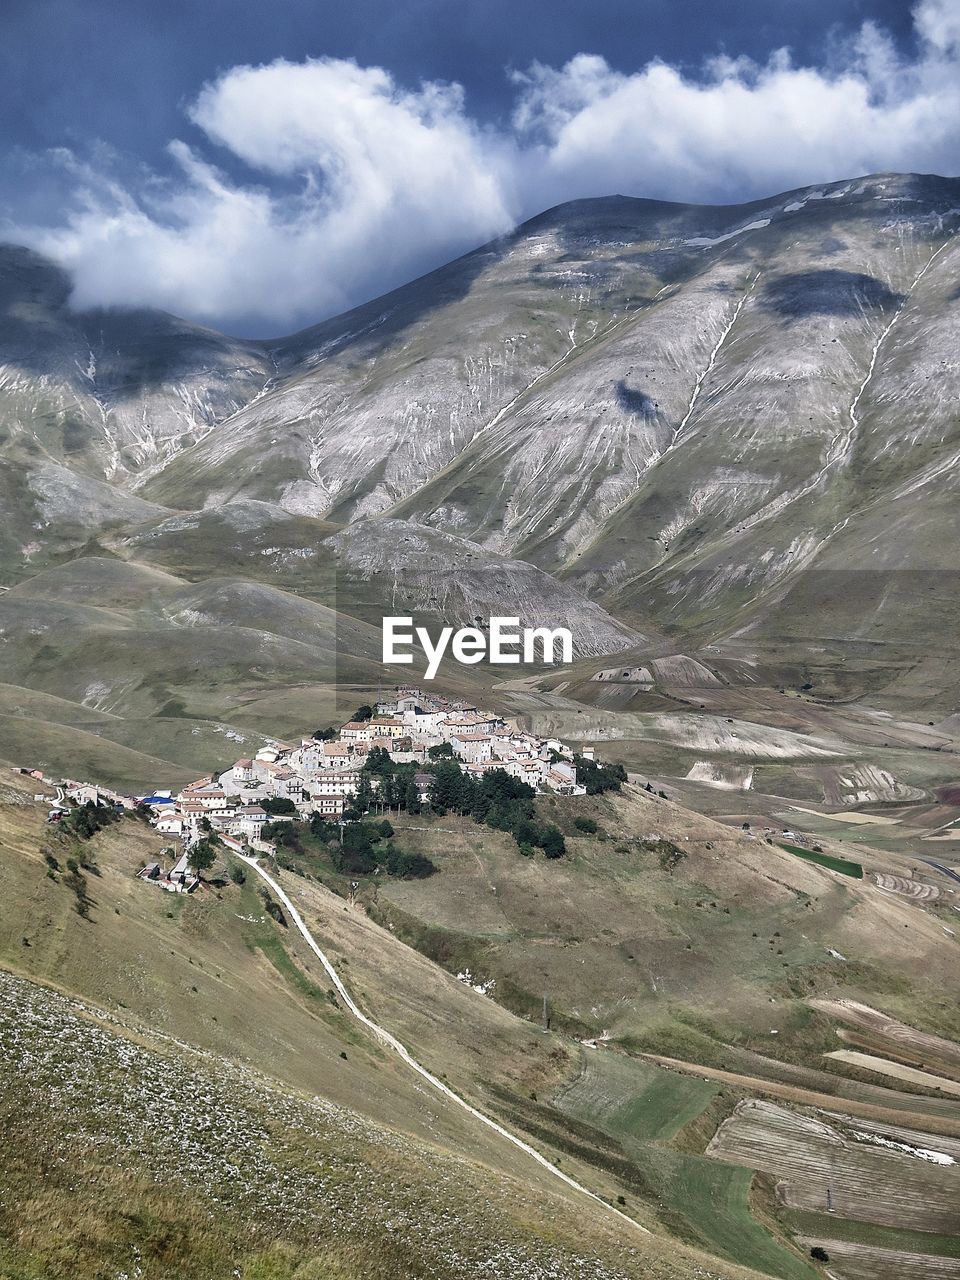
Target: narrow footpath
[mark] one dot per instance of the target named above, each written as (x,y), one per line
(393,1043)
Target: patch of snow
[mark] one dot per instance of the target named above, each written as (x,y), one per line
(705,242)
(481,988)
(919,1153)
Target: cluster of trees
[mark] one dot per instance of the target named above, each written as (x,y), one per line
(86,820)
(359,848)
(278,805)
(367,846)
(397,785)
(598,778)
(498,800)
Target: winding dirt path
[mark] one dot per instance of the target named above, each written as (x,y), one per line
(393,1043)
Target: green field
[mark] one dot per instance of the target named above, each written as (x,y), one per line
(708,1203)
(833,1227)
(632,1100)
(703,1201)
(842,865)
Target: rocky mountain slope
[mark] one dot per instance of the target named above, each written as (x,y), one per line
(678,379)
(734,426)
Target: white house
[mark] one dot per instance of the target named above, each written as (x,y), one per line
(341,782)
(284,783)
(420,720)
(356,731)
(562,778)
(329,806)
(242,772)
(210,798)
(335,755)
(250,821)
(475,748)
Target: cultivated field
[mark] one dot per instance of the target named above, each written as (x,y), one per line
(821,1165)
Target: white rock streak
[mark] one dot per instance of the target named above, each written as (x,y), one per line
(393,1043)
(854,420)
(841,447)
(711,363)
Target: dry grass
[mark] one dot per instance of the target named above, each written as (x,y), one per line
(214,972)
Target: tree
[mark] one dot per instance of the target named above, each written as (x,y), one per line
(586,825)
(411,798)
(445,787)
(386,829)
(599,777)
(321,829)
(286,835)
(526,832)
(391,792)
(412,866)
(324,735)
(379,762)
(351,811)
(443,751)
(277,805)
(90,818)
(203,855)
(551,842)
(365,793)
(355,856)
(364,712)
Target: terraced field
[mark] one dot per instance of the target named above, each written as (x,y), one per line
(821,1165)
(896,1071)
(854,1261)
(704,1201)
(896,1038)
(915,889)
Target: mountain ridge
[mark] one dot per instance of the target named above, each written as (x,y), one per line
(655,419)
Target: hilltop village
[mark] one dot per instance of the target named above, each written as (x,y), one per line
(322,773)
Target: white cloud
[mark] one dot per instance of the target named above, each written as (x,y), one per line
(386,179)
(355,183)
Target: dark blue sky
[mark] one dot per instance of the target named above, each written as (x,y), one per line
(120,70)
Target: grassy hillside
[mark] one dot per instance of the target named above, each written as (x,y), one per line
(215,972)
(132,1155)
(672,932)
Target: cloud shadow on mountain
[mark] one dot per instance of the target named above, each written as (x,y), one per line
(827,292)
(635,402)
